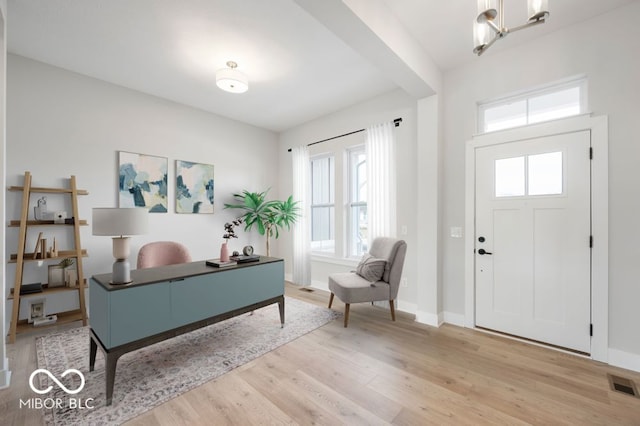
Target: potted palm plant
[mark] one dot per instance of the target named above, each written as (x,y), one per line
(269,217)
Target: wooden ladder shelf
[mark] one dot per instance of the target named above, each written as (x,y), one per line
(21,257)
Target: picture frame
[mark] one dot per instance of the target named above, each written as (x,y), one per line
(36,309)
(56,276)
(194,187)
(142,181)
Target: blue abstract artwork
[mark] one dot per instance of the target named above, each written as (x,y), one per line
(143,181)
(194,187)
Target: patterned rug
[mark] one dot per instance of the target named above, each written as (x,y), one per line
(153,375)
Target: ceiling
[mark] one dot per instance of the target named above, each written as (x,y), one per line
(304,58)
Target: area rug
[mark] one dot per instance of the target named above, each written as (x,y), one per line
(153,375)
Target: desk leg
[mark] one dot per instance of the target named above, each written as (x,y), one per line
(281,307)
(111,360)
(93,349)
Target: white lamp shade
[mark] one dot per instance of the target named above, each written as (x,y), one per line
(113,221)
(232,80)
(480,36)
(537,9)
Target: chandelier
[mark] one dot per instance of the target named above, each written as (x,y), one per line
(538,12)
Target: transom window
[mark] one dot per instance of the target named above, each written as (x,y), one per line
(550,103)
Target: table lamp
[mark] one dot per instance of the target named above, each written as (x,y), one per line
(119,224)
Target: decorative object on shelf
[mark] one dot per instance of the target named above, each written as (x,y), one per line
(59,217)
(224,252)
(143,181)
(538,12)
(269,217)
(40,211)
(247,250)
(229,232)
(36,250)
(194,187)
(56,276)
(43,248)
(36,309)
(119,223)
(231,80)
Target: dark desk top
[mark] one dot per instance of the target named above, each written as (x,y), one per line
(172,272)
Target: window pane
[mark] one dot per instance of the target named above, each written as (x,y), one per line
(554,105)
(322,229)
(358,179)
(359,230)
(322,205)
(545,174)
(322,180)
(510,177)
(505,116)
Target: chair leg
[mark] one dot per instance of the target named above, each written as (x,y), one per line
(346,314)
(393,310)
(330,300)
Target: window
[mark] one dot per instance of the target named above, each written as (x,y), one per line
(323,205)
(543,175)
(358,234)
(550,103)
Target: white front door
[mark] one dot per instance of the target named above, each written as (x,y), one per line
(532,241)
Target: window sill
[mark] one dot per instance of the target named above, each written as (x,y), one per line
(334,260)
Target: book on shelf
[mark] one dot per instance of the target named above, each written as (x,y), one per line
(218,264)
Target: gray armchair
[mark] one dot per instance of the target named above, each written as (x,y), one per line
(352,287)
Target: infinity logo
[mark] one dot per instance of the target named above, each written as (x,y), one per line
(56,381)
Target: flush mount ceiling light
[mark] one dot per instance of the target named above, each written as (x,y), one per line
(231,80)
(538,12)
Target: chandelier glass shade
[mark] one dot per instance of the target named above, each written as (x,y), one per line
(489,24)
(231,80)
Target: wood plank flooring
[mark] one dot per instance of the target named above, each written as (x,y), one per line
(382,372)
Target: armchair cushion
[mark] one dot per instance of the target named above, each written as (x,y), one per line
(371,268)
(352,288)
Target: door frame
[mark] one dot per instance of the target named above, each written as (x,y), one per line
(598,126)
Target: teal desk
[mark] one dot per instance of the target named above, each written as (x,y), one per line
(167,301)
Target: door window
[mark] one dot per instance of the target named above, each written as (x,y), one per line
(530,175)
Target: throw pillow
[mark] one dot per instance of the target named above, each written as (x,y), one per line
(371,268)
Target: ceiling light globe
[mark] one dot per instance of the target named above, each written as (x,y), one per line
(231,80)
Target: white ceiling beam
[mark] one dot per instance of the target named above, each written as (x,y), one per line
(371,29)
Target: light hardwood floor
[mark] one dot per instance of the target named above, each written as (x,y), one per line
(381,372)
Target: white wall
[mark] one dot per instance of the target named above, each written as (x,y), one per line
(384,108)
(605,49)
(5,374)
(61,123)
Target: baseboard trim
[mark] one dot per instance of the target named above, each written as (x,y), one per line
(624,359)
(454,319)
(428,318)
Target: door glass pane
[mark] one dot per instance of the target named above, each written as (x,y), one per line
(545,174)
(510,177)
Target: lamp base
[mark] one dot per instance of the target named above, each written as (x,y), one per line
(121,272)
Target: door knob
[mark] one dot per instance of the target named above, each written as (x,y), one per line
(483,252)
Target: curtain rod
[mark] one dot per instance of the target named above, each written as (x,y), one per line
(396,123)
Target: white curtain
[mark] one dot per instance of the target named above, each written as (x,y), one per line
(302,228)
(381,180)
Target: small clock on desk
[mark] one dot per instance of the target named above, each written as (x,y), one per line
(247,250)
